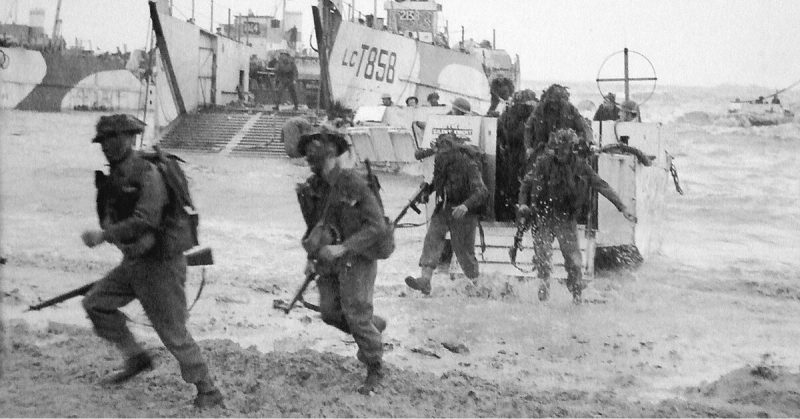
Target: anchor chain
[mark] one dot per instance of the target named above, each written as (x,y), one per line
(674,172)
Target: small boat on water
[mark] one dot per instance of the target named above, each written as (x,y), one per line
(759,113)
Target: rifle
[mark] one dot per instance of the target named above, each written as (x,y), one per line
(63,297)
(199,257)
(373,182)
(522,225)
(419,195)
(298,296)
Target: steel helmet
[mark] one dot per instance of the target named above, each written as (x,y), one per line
(117,124)
(462,105)
(629,106)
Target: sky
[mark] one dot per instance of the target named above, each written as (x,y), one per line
(689,42)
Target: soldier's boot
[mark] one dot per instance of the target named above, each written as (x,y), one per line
(423,283)
(544,289)
(576,288)
(134,366)
(374,377)
(208,395)
(379,323)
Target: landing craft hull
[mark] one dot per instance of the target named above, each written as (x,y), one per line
(58,81)
(366,63)
(759,114)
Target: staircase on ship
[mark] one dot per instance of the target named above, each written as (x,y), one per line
(234,133)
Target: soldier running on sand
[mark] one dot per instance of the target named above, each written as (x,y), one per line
(460,191)
(140,220)
(553,193)
(344,220)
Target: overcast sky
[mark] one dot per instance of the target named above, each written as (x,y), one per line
(690,42)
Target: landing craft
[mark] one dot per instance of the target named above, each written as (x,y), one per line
(405,56)
(757,114)
(40,72)
(631,156)
(764,110)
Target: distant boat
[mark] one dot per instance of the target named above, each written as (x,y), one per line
(40,73)
(757,114)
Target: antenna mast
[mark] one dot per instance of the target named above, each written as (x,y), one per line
(57,22)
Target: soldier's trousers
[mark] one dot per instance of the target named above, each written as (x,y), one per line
(159,287)
(345,302)
(462,239)
(565,229)
(280,86)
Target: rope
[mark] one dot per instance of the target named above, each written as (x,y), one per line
(624,148)
(674,172)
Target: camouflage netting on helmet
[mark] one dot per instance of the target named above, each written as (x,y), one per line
(563,136)
(526,95)
(556,93)
(498,84)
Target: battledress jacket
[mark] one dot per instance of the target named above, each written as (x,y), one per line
(457,180)
(135,213)
(546,190)
(353,210)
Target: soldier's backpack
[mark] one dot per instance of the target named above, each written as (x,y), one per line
(384,247)
(480,158)
(180,205)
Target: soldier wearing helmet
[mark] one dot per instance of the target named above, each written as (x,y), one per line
(501,88)
(136,216)
(551,196)
(433,99)
(461,194)
(554,112)
(461,106)
(608,110)
(344,220)
(629,112)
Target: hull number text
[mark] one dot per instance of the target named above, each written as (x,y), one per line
(371,63)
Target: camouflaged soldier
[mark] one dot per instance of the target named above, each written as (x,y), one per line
(139,219)
(460,194)
(553,112)
(344,220)
(553,193)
